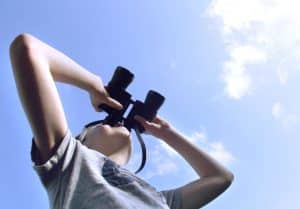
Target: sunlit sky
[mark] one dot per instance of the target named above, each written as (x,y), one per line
(229,70)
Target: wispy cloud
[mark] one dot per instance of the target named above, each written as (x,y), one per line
(161,161)
(257,32)
(215,149)
(235,75)
(218,152)
(280,113)
(277,110)
(165,160)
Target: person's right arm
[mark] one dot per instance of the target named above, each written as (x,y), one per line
(36,66)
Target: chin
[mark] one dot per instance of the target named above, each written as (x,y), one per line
(114,142)
(122,130)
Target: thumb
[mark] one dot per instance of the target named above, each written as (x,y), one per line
(140,119)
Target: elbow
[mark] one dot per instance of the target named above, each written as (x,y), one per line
(227,179)
(229,176)
(22,46)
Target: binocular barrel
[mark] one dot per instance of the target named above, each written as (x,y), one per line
(117,90)
(121,78)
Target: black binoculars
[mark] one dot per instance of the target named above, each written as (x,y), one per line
(117,90)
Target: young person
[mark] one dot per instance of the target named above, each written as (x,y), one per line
(88,173)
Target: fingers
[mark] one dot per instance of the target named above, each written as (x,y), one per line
(108,101)
(146,124)
(158,119)
(140,119)
(101,96)
(113,103)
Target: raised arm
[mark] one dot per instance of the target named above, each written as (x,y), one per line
(214,178)
(36,66)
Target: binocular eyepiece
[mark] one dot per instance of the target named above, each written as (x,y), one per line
(117,90)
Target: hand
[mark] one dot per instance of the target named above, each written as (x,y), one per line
(158,127)
(99,95)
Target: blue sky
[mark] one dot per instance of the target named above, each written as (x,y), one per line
(229,71)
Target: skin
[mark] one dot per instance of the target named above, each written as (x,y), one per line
(114,142)
(36,67)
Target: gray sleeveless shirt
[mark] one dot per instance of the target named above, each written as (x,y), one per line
(76,177)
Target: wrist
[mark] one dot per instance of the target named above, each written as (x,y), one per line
(168,133)
(95,84)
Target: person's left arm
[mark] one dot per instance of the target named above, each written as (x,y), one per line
(214,178)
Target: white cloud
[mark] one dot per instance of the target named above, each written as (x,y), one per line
(237,80)
(282,75)
(196,138)
(277,110)
(168,149)
(218,152)
(236,84)
(164,160)
(288,65)
(161,161)
(237,14)
(290,120)
(161,164)
(286,118)
(199,136)
(215,149)
(257,32)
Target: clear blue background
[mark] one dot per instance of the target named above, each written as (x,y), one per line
(172,47)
